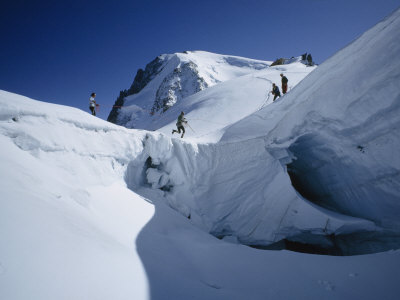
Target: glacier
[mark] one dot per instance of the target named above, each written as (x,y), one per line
(170,79)
(92,210)
(307,168)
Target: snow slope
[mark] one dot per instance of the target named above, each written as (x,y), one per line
(86,207)
(67,221)
(340,128)
(318,166)
(171,78)
(71,228)
(234,87)
(217,107)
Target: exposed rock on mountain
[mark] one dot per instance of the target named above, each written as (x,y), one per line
(171,78)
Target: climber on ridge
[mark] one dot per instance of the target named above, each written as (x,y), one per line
(284,83)
(179,124)
(92,104)
(309,60)
(275,91)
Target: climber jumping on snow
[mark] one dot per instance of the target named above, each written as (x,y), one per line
(179,124)
(275,91)
(284,83)
(92,104)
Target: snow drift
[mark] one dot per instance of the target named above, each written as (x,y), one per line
(71,229)
(341,127)
(67,221)
(318,166)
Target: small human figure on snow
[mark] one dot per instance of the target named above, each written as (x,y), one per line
(275,91)
(92,104)
(179,124)
(284,83)
(309,60)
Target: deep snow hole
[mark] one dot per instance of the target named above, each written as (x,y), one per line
(333,182)
(156,176)
(145,173)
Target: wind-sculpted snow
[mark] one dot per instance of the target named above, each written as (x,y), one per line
(240,62)
(232,189)
(63,232)
(68,219)
(319,166)
(69,130)
(341,124)
(211,111)
(236,189)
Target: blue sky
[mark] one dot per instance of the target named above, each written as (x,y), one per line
(61,51)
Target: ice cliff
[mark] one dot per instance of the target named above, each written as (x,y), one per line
(320,165)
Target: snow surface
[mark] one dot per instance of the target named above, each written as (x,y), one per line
(91,210)
(342,124)
(217,107)
(234,87)
(179,76)
(71,229)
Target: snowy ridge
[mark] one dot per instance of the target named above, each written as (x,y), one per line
(336,139)
(345,117)
(177,76)
(86,205)
(226,190)
(65,179)
(310,143)
(209,112)
(60,170)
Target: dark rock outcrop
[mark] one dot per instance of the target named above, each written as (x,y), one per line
(142,78)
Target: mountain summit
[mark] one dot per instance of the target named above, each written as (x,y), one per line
(196,80)
(169,78)
(92,210)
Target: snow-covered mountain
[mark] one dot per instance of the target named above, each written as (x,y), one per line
(92,210)
(170,78)
(200,82)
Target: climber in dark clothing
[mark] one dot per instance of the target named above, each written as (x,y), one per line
(179,124)
(92,104)
(284,84)
(309,59)
(275,91)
